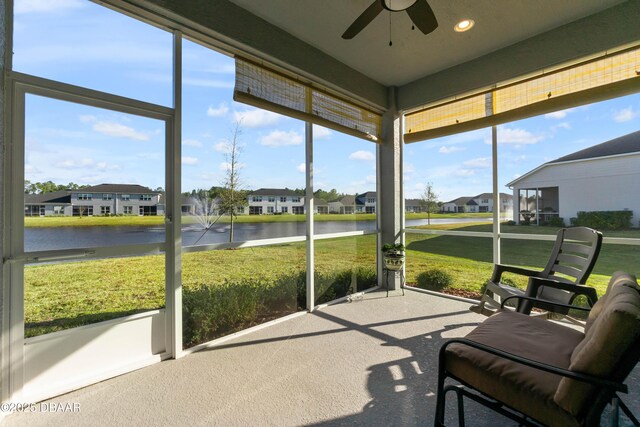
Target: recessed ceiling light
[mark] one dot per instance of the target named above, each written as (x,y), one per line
(464,25)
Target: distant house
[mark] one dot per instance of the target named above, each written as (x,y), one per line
(480,203)
(414,206)
(344,205)
(460,205)
(366,202)
(56,203)
(320,206)
(604,177)
(103,199)
(275,201)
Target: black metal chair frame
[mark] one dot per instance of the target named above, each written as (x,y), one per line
(608,394)
(546,277)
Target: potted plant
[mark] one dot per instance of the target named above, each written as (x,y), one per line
(393,256)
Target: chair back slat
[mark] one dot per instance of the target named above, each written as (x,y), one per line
(574,253)
(576,248)
(572,260)
(567,270)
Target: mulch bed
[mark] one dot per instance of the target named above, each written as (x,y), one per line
(457,292)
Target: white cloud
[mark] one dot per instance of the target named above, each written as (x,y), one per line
(256,118)
(150,156)
(88,118)
(216,84)
(225,166)
(45,6)
(192,143)
(302,168)
(279,138)
(464,172)
(480,162)
(409,168)
(119,130)
(186,160)
(362,155)
(557,115)
(625,115)
(450,149)
(222,147)
(370,179)
(562,125)
(516,136)
(222,110)
(320,132)
(104,166)
(74,164)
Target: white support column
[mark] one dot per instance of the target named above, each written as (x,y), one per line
(173,210)
(5,58)
(390,217)
(496,196)
(308,201)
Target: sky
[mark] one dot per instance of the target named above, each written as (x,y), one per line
(81,43)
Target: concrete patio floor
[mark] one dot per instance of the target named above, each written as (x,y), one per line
(370,362)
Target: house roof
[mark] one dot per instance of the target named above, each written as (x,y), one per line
(460,201)
(490,196)
(117,188)
(626,144)
(347,200)
(274,192)
(60,197)
(367,195)
(412,202)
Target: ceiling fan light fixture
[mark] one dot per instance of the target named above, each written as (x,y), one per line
(464,25)
(397,5)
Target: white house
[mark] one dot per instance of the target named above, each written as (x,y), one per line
(103,199)
(604,177)
(275,201)
(480,203)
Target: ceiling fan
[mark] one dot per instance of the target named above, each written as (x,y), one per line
(418,10)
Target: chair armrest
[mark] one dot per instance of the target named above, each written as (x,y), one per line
(543,301)
(535,283)
(578,376)
(498,269)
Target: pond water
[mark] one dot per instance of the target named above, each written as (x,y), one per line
(51,238)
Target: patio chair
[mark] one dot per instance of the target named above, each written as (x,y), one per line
(572,258)
(540,372)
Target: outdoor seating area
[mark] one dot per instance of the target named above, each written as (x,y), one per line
(531,369)
(234,212)
(370,362)
(571,261)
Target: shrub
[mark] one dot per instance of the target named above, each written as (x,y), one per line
(603,220)
(212,310)
(555,221)
(434,280)
(510,222)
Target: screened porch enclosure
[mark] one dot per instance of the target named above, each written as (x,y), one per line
(116,292)
(537,205)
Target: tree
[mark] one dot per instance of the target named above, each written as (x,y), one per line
(231,195)
(429,201)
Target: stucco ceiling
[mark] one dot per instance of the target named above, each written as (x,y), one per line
(498,23)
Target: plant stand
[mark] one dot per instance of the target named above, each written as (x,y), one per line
(400,272)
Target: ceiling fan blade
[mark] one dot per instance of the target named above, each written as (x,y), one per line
(422,15)
(364,19)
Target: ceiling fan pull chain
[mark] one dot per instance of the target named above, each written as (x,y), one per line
(390,42)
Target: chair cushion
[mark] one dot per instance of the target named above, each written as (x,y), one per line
(618,276)
(525,389)
(612,331)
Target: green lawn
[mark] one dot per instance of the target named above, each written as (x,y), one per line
(65,295)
